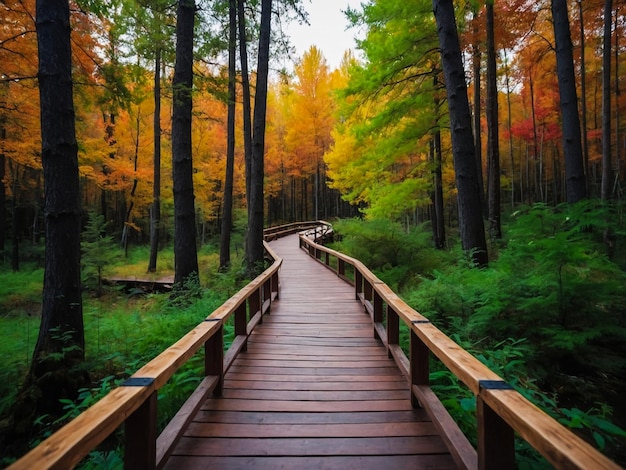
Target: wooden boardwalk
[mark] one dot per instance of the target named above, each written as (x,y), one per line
(314,390)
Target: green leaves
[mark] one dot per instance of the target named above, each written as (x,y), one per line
(381,154)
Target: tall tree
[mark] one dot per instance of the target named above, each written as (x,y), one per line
(471,224)
(185,249)
(61,344)
(246,95)
(476,71)
(155,208)
(493,140)
(583,92)
(227,206)
(255,252)
(607,173)
(4,86)
(572,142)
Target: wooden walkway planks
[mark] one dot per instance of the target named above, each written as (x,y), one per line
(314,389)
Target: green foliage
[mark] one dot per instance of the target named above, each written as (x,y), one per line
(552,284)
(547,315)
(98,250)
(396,255)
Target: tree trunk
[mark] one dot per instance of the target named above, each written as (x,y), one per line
(15,246)
(572,144)
(255,252)
(618,160)
(471,224)
(155,210)
(129,212)
(478,146)
(509,124)
(3,190)
(439,223)
(493,140)
(247,100)
(227,212)
(185,249)
(607,170)
(583,91)
(60,347)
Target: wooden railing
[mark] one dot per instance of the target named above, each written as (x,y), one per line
(279,231)
(134,403)
(501,411)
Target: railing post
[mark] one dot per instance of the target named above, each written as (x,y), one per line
(276,284)
(393,329)
(241,323)
(378,312)
(420,367)
(341,267)
(367,293)
(214,358)
(496,439)
(141,435)
(267,293)
(327,260)
(358,283)
(254,304)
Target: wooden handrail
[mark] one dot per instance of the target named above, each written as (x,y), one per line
(272,233)
(501,410)
(134,402)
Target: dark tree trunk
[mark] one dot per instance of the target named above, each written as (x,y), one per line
(129,212)
(607,170)
(476,66)
(616,51)
(185,249)
(247,100)
(255,252)
(3,199)
(3,189)
(60,346)
(227,217)
(155,209)
(509,124)
(439,222)
(15,246)
(493,140)
(471,224)
(583,91)
(572,143)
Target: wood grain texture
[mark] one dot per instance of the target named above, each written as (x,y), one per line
(314,389)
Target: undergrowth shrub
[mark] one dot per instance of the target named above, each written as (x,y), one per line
(397,256)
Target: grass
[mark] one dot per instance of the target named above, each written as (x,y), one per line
(123,331)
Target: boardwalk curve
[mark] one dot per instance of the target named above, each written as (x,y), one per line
(313,390)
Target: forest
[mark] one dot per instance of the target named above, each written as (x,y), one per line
(471,153)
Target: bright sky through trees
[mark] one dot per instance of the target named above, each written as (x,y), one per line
(327,30)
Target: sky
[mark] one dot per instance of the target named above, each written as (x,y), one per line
(327,30)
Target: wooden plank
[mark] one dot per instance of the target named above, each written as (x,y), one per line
(306,406)
(401,445)
(353,462)
(365,362)
(239,430)
(318,395)
(379,356)
(317,378)
(462,451)
(364,417)
(315,389)
(173,431)
(293,385)
(373,371)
